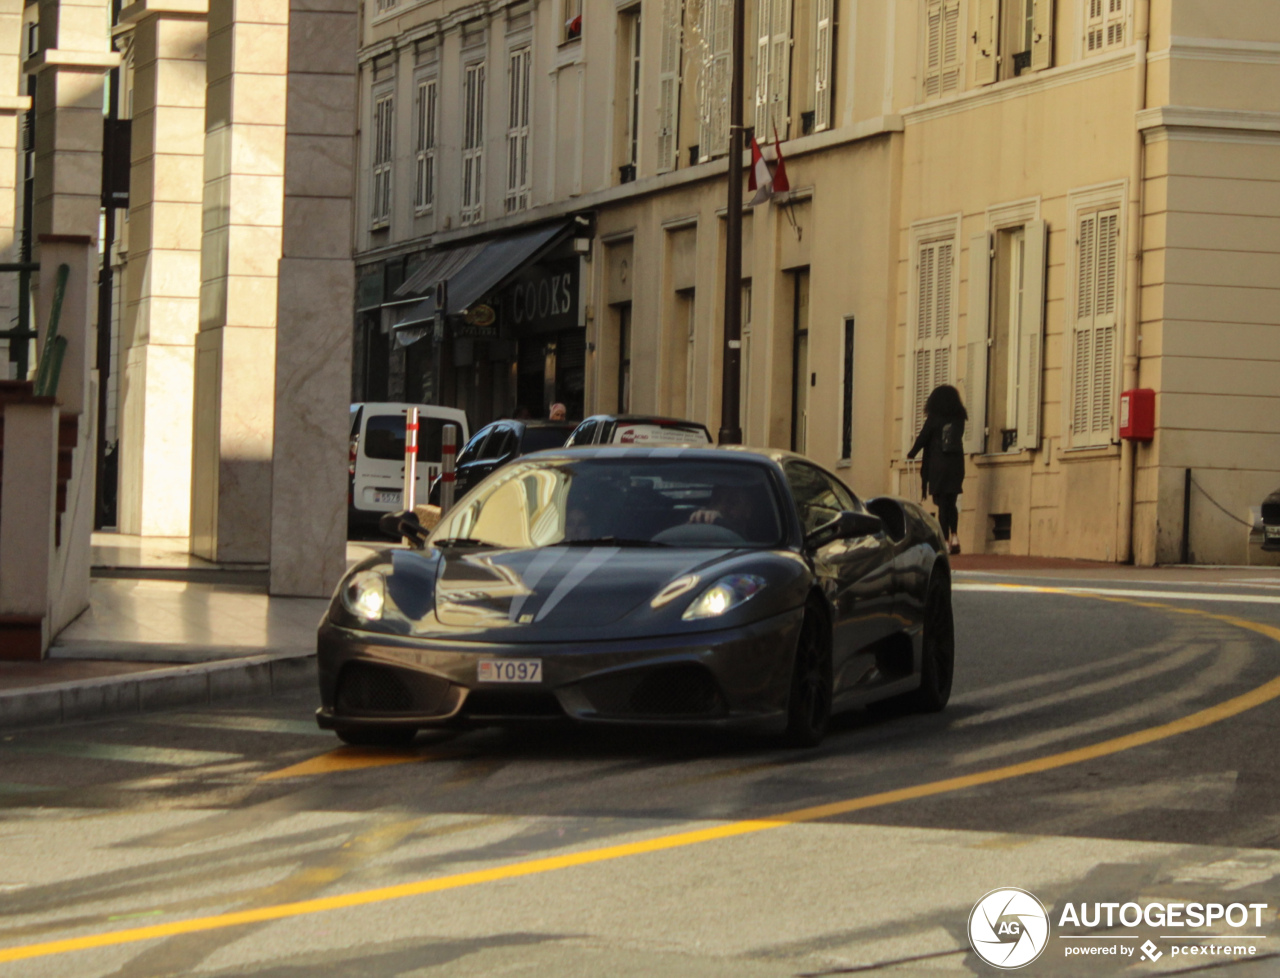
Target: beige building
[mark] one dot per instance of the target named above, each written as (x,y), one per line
(1044,202)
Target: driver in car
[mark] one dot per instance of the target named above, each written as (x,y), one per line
(730,507)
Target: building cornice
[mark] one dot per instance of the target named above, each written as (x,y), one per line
(627,192)
(1220,49)
(1210,123)
(1021,87)
(75,60)
(169,8)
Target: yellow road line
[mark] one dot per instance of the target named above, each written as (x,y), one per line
(351,759)
(1195,721)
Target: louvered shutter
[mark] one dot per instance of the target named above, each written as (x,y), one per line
(1041,34)
(717,28)
(669,84)
(942,48)
(764,13)
(975,368)
(1097,308)
(931,357)
(986,54)
(1031,340)
(823,64)
(779,70)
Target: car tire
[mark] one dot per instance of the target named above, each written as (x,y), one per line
(809,700)
(938,652)
(377,736)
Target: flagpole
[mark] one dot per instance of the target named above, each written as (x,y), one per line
(730,419)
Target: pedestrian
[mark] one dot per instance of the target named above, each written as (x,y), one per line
(558,412)
(941,439)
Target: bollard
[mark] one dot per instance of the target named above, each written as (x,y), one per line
(410,460)
(448,449)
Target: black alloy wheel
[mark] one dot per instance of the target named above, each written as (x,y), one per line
(809,705)
(377,736)
(938,652)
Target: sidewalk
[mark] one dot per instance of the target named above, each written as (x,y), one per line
(164,629)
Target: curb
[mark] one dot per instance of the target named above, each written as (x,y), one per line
(157,689)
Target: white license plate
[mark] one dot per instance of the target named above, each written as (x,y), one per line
(509,671)
(387,497)
(1273,533)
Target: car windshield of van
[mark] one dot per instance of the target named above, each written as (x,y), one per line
(619,502)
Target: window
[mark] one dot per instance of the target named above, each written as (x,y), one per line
(624,358)
(1104,25)
(383,126)
(713,88)
(572,20)
(386,5)
(801,379)
(424,193)
(744,390)
(518,177)
(930,325)
(942,60)
(773,67)
(473,144)
(1011,37)
(1097,303)
(846,391)
(669,85)
(685,310)
(819,497)
(824,38)
(631,154)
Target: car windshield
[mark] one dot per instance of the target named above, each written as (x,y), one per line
(627,502)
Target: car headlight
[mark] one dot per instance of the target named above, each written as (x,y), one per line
(365,595)
(724,595)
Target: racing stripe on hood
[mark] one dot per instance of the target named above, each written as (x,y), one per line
(592,559)
(538,567)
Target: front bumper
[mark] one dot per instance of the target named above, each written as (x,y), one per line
(737,677)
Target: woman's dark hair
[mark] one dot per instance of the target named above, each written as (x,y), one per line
(945,402)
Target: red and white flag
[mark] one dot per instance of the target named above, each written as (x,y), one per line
(766,178)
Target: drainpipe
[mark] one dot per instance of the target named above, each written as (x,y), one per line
(1133,278)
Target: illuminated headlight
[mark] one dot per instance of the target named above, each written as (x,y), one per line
(724,595)
(365,595)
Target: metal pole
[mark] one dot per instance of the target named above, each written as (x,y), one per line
(1186,518)
(410,497)
(730,423)
(448,449)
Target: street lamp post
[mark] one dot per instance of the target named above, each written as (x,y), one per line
(730,421)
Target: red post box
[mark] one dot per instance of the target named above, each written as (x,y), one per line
(1138,415)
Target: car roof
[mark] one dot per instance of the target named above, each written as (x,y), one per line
(425,410)
(710,453)
(646,419)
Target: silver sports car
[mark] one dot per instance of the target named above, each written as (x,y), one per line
(701,586)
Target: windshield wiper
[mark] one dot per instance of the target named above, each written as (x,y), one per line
(611,542)
(463,542)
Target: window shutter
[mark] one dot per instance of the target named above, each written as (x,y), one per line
(931,356)
(943,61)
(823,65)
(979,327)
(1104,25)
(764,23)
(1041,34)
(1031,342)
(717,34)
(779,70)
(986,61)
(1097,308)
(669,84)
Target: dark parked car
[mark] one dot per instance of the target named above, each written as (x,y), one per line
(721,587)
(496,444)
(1271,522)
(638,429)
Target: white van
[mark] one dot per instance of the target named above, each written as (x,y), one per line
(375,466)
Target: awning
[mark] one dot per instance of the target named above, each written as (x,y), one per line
(472,272)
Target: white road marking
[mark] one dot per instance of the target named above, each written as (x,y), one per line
(170,756)
(1118,593)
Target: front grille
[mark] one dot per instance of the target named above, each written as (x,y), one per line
(372,690)
(501,703)
(682,690)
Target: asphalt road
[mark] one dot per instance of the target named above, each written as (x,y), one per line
(1099,748)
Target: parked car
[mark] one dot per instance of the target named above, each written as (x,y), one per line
(375,466)
(1271,522)
(715,587)
(638,429)
(496,444)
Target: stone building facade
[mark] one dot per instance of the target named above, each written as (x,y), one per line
(1044,202)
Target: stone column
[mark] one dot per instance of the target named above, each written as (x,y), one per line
(316,299)
(162,279)
(240,255)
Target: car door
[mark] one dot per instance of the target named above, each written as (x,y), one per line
(584,434)
(499,448)
(467,460)
(857,574)
(377,482)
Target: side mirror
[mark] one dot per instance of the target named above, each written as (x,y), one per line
(847,526)
(404,525)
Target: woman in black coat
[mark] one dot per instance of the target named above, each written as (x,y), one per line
(941,439)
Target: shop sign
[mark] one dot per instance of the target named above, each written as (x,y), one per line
(544,297)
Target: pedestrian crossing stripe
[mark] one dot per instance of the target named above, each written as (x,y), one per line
(128,753)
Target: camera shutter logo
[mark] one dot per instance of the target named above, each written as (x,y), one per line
(1008,928)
